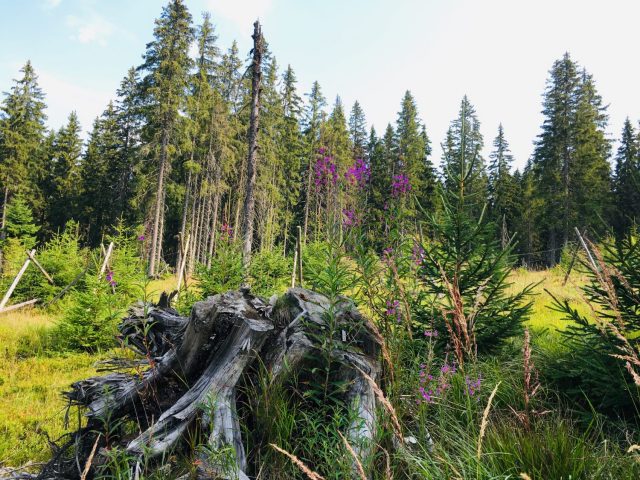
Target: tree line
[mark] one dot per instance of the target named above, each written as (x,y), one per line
(170,153)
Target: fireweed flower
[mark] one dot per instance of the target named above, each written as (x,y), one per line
(358,174)
(473,386)
(226,230)
(110,279)
(326,172)
(141,238)
(418,254)
(429,387)
(387,256)
(431,333)
(400,185)
(350,218)
(393,310)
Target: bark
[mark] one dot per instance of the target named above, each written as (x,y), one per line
(185,363)
(155,237)
(249,199)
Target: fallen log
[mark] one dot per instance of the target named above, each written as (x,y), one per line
(202,360)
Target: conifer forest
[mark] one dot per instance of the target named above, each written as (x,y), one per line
(228,277)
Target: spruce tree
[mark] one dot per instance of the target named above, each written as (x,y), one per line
(63,178)
(166,67)
(292,150)
(553,156)
(462,163)
(570,162)
(22,136)
(590,187)
(103,167)
(313,117)
(626,183)
(358,131)
(503,189)
(465,272)
(129,117)
(412,153)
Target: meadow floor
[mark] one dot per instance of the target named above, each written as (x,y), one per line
(31,407)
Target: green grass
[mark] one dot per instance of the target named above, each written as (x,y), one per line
(32,379)
(542,317)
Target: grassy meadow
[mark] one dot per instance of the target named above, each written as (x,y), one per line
(31,406)
(31,380)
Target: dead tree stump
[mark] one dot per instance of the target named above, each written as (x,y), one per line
(182,363)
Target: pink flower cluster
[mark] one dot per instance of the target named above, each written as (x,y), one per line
(110,279)
(350,218)
(418,254)
(226,230)
(387,256)
(431,333)
(400,185)
(473,386)
(393,310)
(326,171)
(430,387)
(358,174)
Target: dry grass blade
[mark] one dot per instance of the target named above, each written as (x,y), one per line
(485,419)
(387,405)
(299,463)
(524,476)
(87,467)
(359,467)
(388,475)
(633,448)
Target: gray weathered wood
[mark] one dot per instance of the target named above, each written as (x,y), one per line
(17,278)
(195,365)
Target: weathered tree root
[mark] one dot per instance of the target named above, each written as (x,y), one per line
(196,361)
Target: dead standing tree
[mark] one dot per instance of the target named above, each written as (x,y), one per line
(203,360)
(249,199)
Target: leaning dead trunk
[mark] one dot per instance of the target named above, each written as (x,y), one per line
(185,363)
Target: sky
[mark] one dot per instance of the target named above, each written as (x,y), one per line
(497,52)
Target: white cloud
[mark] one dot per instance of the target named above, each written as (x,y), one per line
(90,29)
(63,96)
(50,4)
(241,12)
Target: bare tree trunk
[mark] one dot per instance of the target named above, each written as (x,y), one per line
(155,238)
(307,202)
(185,210)
(3,232)
(249,199)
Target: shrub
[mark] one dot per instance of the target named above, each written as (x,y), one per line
(270,272)
(601,363)
(224,273)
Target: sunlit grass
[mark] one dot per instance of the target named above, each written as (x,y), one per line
(30,386)
(542,317)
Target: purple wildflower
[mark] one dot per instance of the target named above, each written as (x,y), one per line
(350,218)
(430,388)
(110,279)
(326,172)
(387,256)
(431,333)
(393,310)
(226,230)
(358,174)
(400,185)
(141,238)
(418,254)
(473,386)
